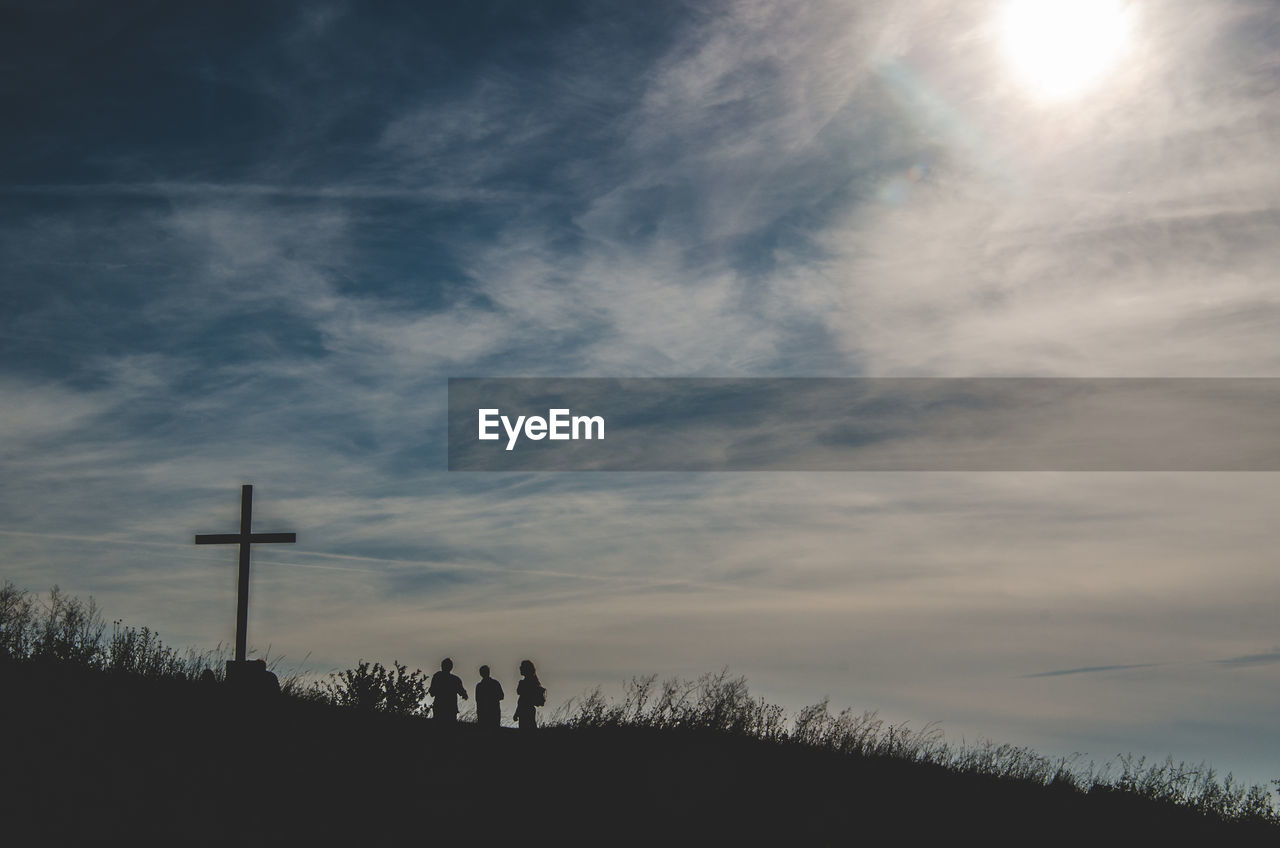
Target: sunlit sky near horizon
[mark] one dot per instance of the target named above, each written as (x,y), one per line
(248,242)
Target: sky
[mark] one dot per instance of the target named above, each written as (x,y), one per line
(251,242)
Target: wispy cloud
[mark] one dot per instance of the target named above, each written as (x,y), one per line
(1092,669)
(433,194)
(1252,659)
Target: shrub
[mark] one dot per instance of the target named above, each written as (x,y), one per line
(70,631)
(65,629)
(371,687)
(17,622)
(140,651)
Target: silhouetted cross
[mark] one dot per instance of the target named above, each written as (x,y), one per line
(244,538)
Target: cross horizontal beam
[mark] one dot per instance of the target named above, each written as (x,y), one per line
(237,538)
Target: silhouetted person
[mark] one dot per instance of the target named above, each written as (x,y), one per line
(208,679)
(529,696)
(488,694)
(445,689)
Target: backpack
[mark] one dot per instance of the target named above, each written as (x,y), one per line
(540,697)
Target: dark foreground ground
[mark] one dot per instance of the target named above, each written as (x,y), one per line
(86,758)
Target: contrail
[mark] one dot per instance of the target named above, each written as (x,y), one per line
(488,569)
(1091,669)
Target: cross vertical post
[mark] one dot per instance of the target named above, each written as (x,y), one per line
(242,584)
(245,538)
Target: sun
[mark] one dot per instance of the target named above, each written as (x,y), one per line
(1062,48)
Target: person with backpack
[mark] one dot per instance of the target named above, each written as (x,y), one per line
(529,696)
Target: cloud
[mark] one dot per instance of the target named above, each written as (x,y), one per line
(33,412)
(205,191)
(1252,659)
(1089,241)
(1091,669)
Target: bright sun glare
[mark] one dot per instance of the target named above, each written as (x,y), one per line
(1061,48)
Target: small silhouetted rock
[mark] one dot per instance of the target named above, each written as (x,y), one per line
(252,679)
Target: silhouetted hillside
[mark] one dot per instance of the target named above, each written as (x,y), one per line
(90,755)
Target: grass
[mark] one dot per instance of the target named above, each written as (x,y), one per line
(103,726)
(723,704)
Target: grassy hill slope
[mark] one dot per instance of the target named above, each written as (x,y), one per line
(89,754)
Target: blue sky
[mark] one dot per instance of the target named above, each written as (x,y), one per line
(251,242)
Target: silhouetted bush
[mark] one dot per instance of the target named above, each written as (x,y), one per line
(373,688)
(66,630)
(59,629)
(140,651)
(17,622)
(69,631)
